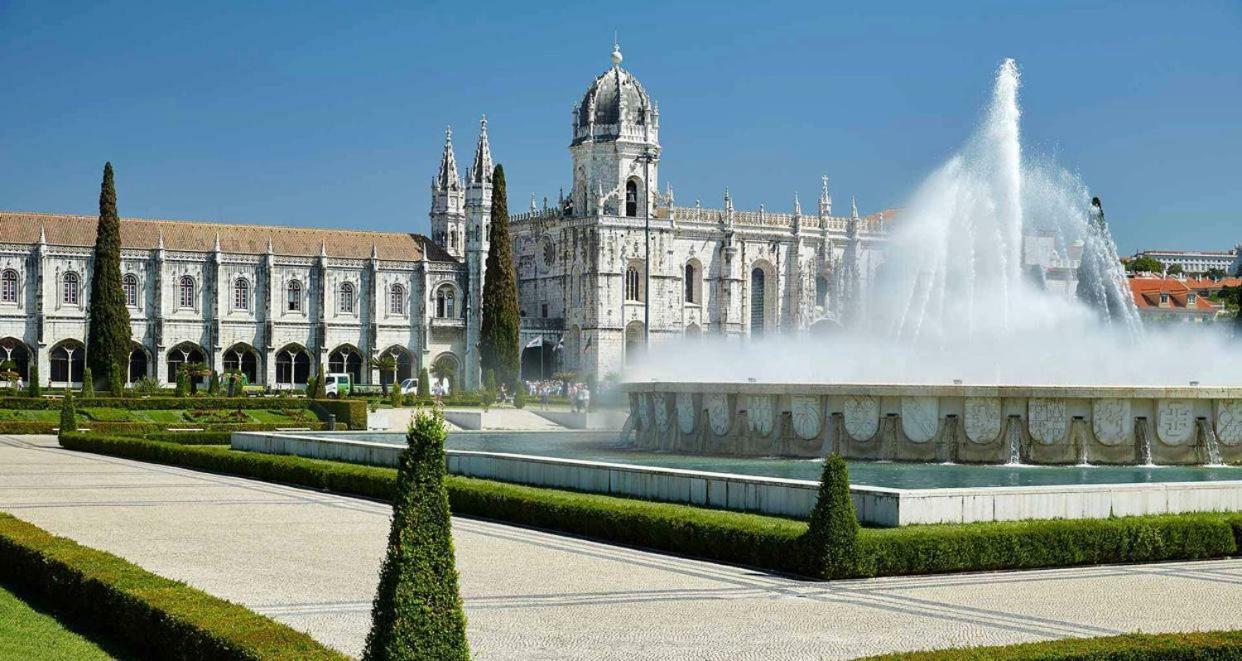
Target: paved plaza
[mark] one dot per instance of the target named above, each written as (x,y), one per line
(311,560)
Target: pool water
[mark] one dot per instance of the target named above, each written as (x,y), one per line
(595,446)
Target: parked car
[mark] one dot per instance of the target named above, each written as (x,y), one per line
(337,385)
(409,387)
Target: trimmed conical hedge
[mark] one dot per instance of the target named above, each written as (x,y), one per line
(498,334)
(830,543)
(109,332)
(68,414)
(417,613)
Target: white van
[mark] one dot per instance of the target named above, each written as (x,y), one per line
(336,385)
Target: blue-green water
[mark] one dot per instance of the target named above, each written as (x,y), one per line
(605,447)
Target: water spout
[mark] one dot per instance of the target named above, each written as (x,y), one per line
(1207,439)
(1143,439)
(1013,432)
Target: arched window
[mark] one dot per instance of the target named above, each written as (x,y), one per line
(70,294)
(15,351)
(633,284)
(67,360)
(346,359)
(347,297)
(446,302)
(241,294)
(821,291)
(292,366)
(241,357)
(293,296)
(137,364)
(186,296)
(693,287)
(8,286)
(396,299)
(757,295)
(129,286)
(186,353)
(634,341)
(631,198)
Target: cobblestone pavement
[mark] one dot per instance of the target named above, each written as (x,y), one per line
(311,560)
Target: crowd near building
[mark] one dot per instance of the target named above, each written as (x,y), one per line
(607,269)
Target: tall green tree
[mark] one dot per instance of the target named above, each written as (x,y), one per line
(417,612)
(108,339)
(830,543)
(498,336)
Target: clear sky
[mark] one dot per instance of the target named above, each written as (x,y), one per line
(332,114)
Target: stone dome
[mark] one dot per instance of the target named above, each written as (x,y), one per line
(615,97)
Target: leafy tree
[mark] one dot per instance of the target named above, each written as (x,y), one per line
(213,386)
(320,382)
(68,414)
(498,335)
(489,380)
(108,335)
(1176,269)
(195,371)
(1214,274)
(33,387)
(183,380)
(1145,264)
(394,396)
(387,365)
(417,612)
(88,384)
(424,383)
(519,396)
(116,385)
(830,543)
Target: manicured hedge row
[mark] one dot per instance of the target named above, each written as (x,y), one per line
(141,428)
(351,413)
(191,437)
(158,403)
(1201,646)
(751,539)
(151,616)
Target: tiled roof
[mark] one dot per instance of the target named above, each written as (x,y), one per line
(194,236)
(1147,292)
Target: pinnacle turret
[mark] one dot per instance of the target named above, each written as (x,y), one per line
(481,168)
(825,200)
(446,178)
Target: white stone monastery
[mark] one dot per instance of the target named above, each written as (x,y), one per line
(613,266)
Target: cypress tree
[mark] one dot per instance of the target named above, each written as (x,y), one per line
(108,339)
(68,415)
(417,612)
(319,391)
(829,545)
(183,381)
(498,335)
(116,385)
(88,384)
(34,388)
(424,384)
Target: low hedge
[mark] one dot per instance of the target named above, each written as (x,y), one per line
(1199,645)
(136,403)
(751,539)
(191,437)
(352,413)
(150,616)
(140,428)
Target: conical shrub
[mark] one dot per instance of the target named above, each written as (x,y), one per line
(417,613)
(68,414)
(830,544)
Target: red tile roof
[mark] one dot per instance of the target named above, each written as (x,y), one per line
(1147,293)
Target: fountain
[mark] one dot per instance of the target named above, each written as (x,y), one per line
(1001,277)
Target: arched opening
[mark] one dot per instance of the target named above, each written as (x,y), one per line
(182,355)
(292,366)
(242,357)
(631,198)
(241,294)
(539,361)
(446,370)
(403,366)
(634,342)
(15,356)
(758,302)
(694,332)
(693,283)
(186,292)
(396,299)
(346,297)
(346,359)
(137,368)
(634,282)
(446,302)
(821,291)
(129,286)
(8,286)
(67,361)
(71,292)
(293,296)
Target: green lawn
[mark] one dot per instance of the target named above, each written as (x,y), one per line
(30,416)
(35,636)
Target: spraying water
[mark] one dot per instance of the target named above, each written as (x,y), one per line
(1000,270)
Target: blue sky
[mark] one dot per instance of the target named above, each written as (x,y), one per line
(332,114)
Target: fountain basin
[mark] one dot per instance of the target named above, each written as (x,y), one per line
(1049,425)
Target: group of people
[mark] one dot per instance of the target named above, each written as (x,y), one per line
(578,393)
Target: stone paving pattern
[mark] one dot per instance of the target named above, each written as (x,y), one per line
(311,560)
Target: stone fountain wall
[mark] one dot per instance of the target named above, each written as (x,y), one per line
(962,424)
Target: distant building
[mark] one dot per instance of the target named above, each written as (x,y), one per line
(1174,300)
(1193,261)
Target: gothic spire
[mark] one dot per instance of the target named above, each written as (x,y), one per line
(481,168)
(797,205)
(853,208)
(825,200)
(446,176)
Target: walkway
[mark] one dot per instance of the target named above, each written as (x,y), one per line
(311,560)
